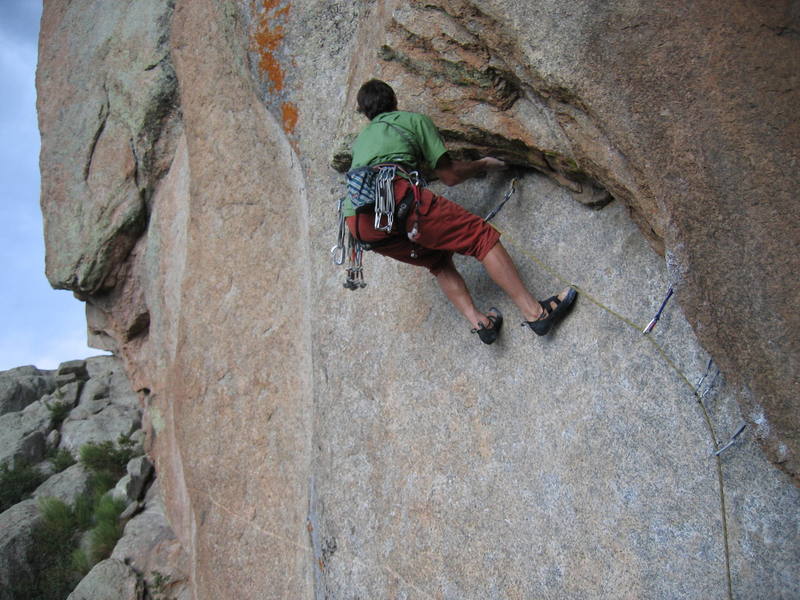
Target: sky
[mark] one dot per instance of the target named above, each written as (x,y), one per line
(38,325)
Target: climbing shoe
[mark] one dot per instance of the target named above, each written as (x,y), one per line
(551,314)
(489,334)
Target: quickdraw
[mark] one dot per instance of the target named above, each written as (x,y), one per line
(348,247)
(511,189)
(337,252)
(384,198)
(355,270)
(655,319)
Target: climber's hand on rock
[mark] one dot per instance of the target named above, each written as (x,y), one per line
(493,164)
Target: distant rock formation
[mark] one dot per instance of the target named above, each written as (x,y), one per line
(336,445)
(98,406)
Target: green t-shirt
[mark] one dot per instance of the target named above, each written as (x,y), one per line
(378,143)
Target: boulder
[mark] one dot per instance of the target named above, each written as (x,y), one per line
(66,393)
(72,372)
(16,526)
(140,470)
(100,367)
(95,389)
(21,386)
(73,368)
(120,490)
(53,439)
(150,547)
(107,384)
(23,434)
(133,485)
(109,579)
(107,425)
(87,408)
(66,485)
(142,534)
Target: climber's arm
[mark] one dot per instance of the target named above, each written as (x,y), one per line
(452,172)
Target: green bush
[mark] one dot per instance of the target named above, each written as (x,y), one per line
(107,530)
(62,460)
(159,583)
(58,411)
(17,483)
(58,525)
(83,511)
(57,562)
(80,560)
(53,572)
(102,481)
(105,457)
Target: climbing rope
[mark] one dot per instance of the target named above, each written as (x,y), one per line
(661,352)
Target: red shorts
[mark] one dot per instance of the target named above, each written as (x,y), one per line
(443,228)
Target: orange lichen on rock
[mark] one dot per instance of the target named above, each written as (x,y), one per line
(268,37)
(289,116)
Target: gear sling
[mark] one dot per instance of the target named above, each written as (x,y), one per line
(371,188)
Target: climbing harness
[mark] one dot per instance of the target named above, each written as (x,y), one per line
(509,193)
(652,323)
(373,185)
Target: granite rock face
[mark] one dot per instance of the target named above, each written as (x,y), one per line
(16,526)
(66,485)
(23,434)
(344,445)
(115,96)
(109,579)
(22,386)
(149,546)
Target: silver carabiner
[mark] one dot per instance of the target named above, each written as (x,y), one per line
(338,251)
(337,259)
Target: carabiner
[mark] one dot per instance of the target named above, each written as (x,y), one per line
(337,259)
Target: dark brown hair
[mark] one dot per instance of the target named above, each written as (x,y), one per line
(376,97)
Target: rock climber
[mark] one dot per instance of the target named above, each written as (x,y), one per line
(431,228)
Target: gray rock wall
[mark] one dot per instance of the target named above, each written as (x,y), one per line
(341,445)
(151,558)
(22,386)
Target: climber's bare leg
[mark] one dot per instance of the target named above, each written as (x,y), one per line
(454,287)
(504,273)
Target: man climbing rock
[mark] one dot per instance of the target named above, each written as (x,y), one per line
(423,229)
